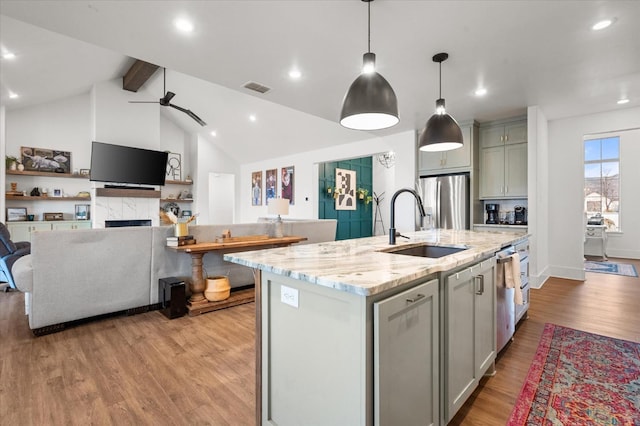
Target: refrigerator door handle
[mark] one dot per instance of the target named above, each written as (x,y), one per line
(437,216)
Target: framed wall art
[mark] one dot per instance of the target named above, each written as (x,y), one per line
(174,166)
(256,188)
(45,160)
(15,214)
(346,187)
(287,191)
(271,184)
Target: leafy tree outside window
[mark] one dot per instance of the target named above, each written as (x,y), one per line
(602,180)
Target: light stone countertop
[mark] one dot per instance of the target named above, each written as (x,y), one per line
(360,266)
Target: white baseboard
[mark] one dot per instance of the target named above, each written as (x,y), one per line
(567,273)
(537,281)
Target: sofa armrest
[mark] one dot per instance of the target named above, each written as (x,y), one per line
(23,246)
(22,272)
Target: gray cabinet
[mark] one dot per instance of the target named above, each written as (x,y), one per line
(319,362)
(456,160)
(470,330)
(503,161)
(406,357)
(22,231)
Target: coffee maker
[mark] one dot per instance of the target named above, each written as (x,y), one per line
(520,215)
(492,213)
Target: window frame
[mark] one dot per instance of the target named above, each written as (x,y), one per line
(601,161)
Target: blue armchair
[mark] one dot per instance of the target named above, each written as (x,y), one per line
(9,253)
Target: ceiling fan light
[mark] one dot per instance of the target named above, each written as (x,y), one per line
(370,104)
(442,133)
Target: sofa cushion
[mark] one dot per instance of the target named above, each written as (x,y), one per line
(22,271)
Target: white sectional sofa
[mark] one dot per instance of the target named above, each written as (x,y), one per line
(78,274)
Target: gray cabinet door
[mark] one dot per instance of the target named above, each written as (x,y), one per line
(492,172)
(460,380)
(406,357)
(485,316)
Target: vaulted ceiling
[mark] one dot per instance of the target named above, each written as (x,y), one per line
(523,52)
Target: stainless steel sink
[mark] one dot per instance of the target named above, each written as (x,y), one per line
(427,250)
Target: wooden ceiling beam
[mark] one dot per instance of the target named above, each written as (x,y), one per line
(137,75)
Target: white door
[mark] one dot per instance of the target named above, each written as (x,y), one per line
(222,198)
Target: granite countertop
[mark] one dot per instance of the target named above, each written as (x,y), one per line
(360,266)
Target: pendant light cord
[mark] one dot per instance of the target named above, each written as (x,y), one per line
(369,27)
(440,96)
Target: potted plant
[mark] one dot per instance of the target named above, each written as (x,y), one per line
(11,162)
(362,193)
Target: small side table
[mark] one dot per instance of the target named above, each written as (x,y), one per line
(595,241)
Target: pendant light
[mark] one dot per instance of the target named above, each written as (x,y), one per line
(370,102)
(441,132)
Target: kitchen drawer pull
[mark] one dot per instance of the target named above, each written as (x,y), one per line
(415,299)
(481,279)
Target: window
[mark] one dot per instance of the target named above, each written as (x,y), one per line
(602,180)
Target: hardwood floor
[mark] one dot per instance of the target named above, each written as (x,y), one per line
(148,370)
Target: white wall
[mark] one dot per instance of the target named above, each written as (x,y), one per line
(306,178)
(538,190)
(122,123)
(566,180)
(174,139)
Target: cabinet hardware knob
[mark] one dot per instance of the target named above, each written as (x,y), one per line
(415,299)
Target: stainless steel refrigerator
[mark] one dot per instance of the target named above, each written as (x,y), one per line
(446,201)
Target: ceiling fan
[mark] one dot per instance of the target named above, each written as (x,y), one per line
(166,101)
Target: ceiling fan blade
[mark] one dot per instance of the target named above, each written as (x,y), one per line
(143,102)
(190,114)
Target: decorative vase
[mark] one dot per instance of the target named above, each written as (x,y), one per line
(20,167)
(13,165)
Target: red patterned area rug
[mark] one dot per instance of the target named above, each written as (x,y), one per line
(579,378)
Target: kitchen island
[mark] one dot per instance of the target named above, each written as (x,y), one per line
(348,333)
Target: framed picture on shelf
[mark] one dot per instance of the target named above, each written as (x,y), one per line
(256,188)
(45,160)
(82,211)
(56,192)
(174,166)
(85,172)
(16,214)
(287,184)
(271,183)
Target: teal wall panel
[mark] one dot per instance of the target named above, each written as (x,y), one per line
(351,223)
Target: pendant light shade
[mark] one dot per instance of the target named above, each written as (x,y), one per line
(370,102)
(441,132)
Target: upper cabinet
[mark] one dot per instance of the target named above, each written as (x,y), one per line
(503,160)
(457,160)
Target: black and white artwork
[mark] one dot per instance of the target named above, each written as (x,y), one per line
(346,188)
(174,166)
(45,160)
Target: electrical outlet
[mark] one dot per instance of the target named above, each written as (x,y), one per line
(289,296)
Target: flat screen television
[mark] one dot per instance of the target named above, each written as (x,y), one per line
(127,165)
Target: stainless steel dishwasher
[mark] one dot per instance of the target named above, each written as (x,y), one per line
(505,303)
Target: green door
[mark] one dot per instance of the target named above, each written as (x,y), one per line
(351,223)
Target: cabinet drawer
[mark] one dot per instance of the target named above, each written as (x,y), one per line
(594,232)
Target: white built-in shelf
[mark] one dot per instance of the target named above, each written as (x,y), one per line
(178,182)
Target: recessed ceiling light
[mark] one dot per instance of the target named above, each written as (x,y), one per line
(213,133)
(481,91)
(184,25)
(252,117)
(8,55)
(601,25)
(12,95)
(295,74)
(623,101)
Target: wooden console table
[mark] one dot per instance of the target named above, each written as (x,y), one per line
(197,303)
